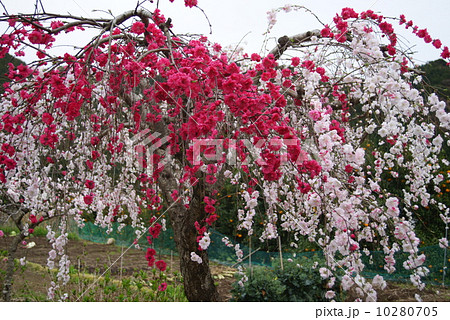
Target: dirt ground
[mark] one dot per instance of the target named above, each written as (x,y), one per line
(94,258)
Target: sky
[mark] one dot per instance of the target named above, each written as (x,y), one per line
(244,21)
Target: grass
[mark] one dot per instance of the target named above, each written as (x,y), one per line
(87,287)
(39,231)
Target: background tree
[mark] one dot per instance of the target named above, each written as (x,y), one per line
(140,118)
(4,68)
(437,75)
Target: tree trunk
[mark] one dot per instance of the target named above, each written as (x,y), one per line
(198,281)
(7,284)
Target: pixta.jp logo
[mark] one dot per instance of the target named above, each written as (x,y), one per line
(152,151)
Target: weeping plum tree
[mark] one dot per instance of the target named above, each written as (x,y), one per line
(141,119)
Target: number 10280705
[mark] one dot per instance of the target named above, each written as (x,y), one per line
(406,311)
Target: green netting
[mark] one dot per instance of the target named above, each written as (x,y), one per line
(220,253)
(126,237)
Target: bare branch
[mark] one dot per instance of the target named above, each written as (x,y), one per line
(285,42)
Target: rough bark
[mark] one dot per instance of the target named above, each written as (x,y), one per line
(198,281)
(285,42)
(7,284)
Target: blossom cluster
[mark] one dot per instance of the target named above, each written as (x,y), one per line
(313,137)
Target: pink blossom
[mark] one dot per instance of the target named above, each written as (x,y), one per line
(443,243)
(379,282)
(330,294)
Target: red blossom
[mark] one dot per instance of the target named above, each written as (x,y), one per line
(255,57)
(217,47)
(161,265)
(348,13)
(47,118)
(304,187)
(155,230)
(326,32)
(33,219)
(10,164)
(445,54)
(95,141)
(56,24)
(341,38)
(138,27)
(162,287)
(88,199)
(422,33)
(89,184)
(49,139)
(209,200)
(174,195)
(210,179)
(90,164)
(35,37)
(211,219)
(151,261)
(190,3)
(308,64)
(437,43)
(150,253)
(209,209)
(200,230)
(12,22)
(95,154)
(9,149)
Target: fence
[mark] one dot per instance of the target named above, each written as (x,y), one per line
(220,253)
